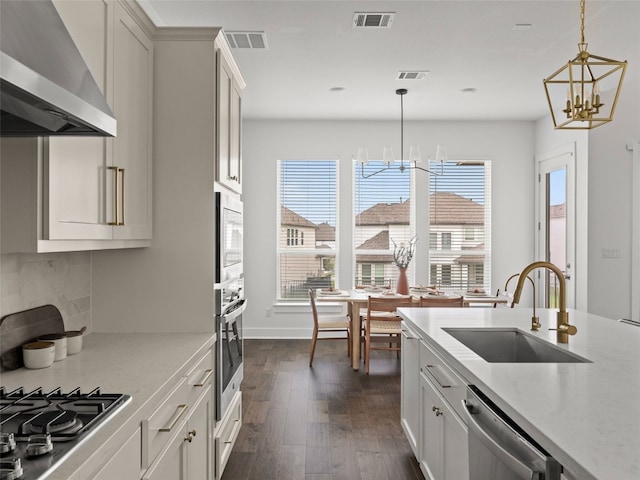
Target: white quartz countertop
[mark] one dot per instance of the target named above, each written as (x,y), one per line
(586,415)
(140,365)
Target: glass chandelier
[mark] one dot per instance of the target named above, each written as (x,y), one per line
(414,152)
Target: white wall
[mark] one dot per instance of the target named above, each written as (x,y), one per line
(610,198)
(509,145)
(603,205)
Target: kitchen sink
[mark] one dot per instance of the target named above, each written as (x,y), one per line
(510,345)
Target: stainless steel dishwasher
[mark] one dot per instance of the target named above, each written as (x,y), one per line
(499,449)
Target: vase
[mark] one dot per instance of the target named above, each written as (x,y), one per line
(403,283)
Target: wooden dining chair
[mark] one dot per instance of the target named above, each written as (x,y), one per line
(441,301)
(382,325)
(327,323)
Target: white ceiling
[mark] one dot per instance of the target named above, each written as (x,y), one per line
(463,44)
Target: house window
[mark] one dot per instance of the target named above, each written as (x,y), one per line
(382,216)
(469,234)
(433,240)
(460,212)
(307,196)
(446,240)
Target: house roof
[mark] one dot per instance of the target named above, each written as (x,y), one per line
(558,211)
(325,233)
(291,218)
(385,214)
(446,208)
(379,241)
(449,208)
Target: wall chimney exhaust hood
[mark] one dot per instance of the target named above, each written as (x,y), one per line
(45,86)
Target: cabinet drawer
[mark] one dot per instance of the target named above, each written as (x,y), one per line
(227,432)
(164,422)
(199,377)
(448,383)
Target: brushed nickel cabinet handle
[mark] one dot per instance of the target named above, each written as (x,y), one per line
(115,195)
(205,377)
(172,423)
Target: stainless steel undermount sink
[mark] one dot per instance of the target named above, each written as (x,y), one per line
(510,345)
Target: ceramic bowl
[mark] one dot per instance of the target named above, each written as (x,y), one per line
(74,341)
(38,354)
(60,340)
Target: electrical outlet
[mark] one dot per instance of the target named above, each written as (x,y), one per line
(269,311)
(610,253)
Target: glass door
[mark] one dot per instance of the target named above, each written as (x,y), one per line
(556,226)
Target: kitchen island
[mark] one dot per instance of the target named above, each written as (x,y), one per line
(584,414)
(145,366)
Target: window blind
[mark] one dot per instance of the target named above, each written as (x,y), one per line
(460,225)
(307,196)
(382,216)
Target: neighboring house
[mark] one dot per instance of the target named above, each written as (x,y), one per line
(456,225)
(456,243)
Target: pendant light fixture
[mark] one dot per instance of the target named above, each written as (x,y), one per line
(576,92)
(414,153)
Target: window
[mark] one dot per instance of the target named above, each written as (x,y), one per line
(307,193)
(446,240)
(382,216)
(460,212)
(433,240)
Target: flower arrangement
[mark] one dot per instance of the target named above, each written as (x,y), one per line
(402,254)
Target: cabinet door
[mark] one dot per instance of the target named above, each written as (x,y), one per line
(125,463)
(170,464)
(410,388)
(229,126)
(74,167)
(200,431)
(133,96)
(430,432)
(235,148)
(455,459)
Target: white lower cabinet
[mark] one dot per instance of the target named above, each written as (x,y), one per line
(444,454)
(125,463)
(187,454)
(227,432)
(410,388)
(431,392)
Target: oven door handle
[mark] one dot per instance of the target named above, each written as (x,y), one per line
(233,314)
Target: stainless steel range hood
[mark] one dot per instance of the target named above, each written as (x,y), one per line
(45,86)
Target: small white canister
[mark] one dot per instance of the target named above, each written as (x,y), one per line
(74,340)
(60,341)
(38,354)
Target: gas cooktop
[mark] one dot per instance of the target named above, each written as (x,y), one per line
(39,429)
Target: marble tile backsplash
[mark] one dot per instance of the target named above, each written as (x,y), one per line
(60,279)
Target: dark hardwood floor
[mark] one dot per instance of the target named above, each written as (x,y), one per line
(326,422)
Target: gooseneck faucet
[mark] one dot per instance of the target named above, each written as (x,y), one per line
(535,321)
(564,329)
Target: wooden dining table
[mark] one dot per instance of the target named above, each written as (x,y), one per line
(357,299)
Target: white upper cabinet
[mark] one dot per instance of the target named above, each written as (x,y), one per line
(229,120)
(87,193)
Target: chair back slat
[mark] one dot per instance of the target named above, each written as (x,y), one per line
(442,302)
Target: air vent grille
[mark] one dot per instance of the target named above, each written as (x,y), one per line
(247,40)
(373,19)
(412,75)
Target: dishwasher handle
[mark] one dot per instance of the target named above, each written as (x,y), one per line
(518,467)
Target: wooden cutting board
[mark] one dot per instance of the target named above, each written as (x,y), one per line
(22,327)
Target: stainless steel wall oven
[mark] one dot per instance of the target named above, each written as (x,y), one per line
(230,305)
(229,298)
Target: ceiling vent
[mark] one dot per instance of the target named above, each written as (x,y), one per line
(412,75)
(247,40)
(373,19)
